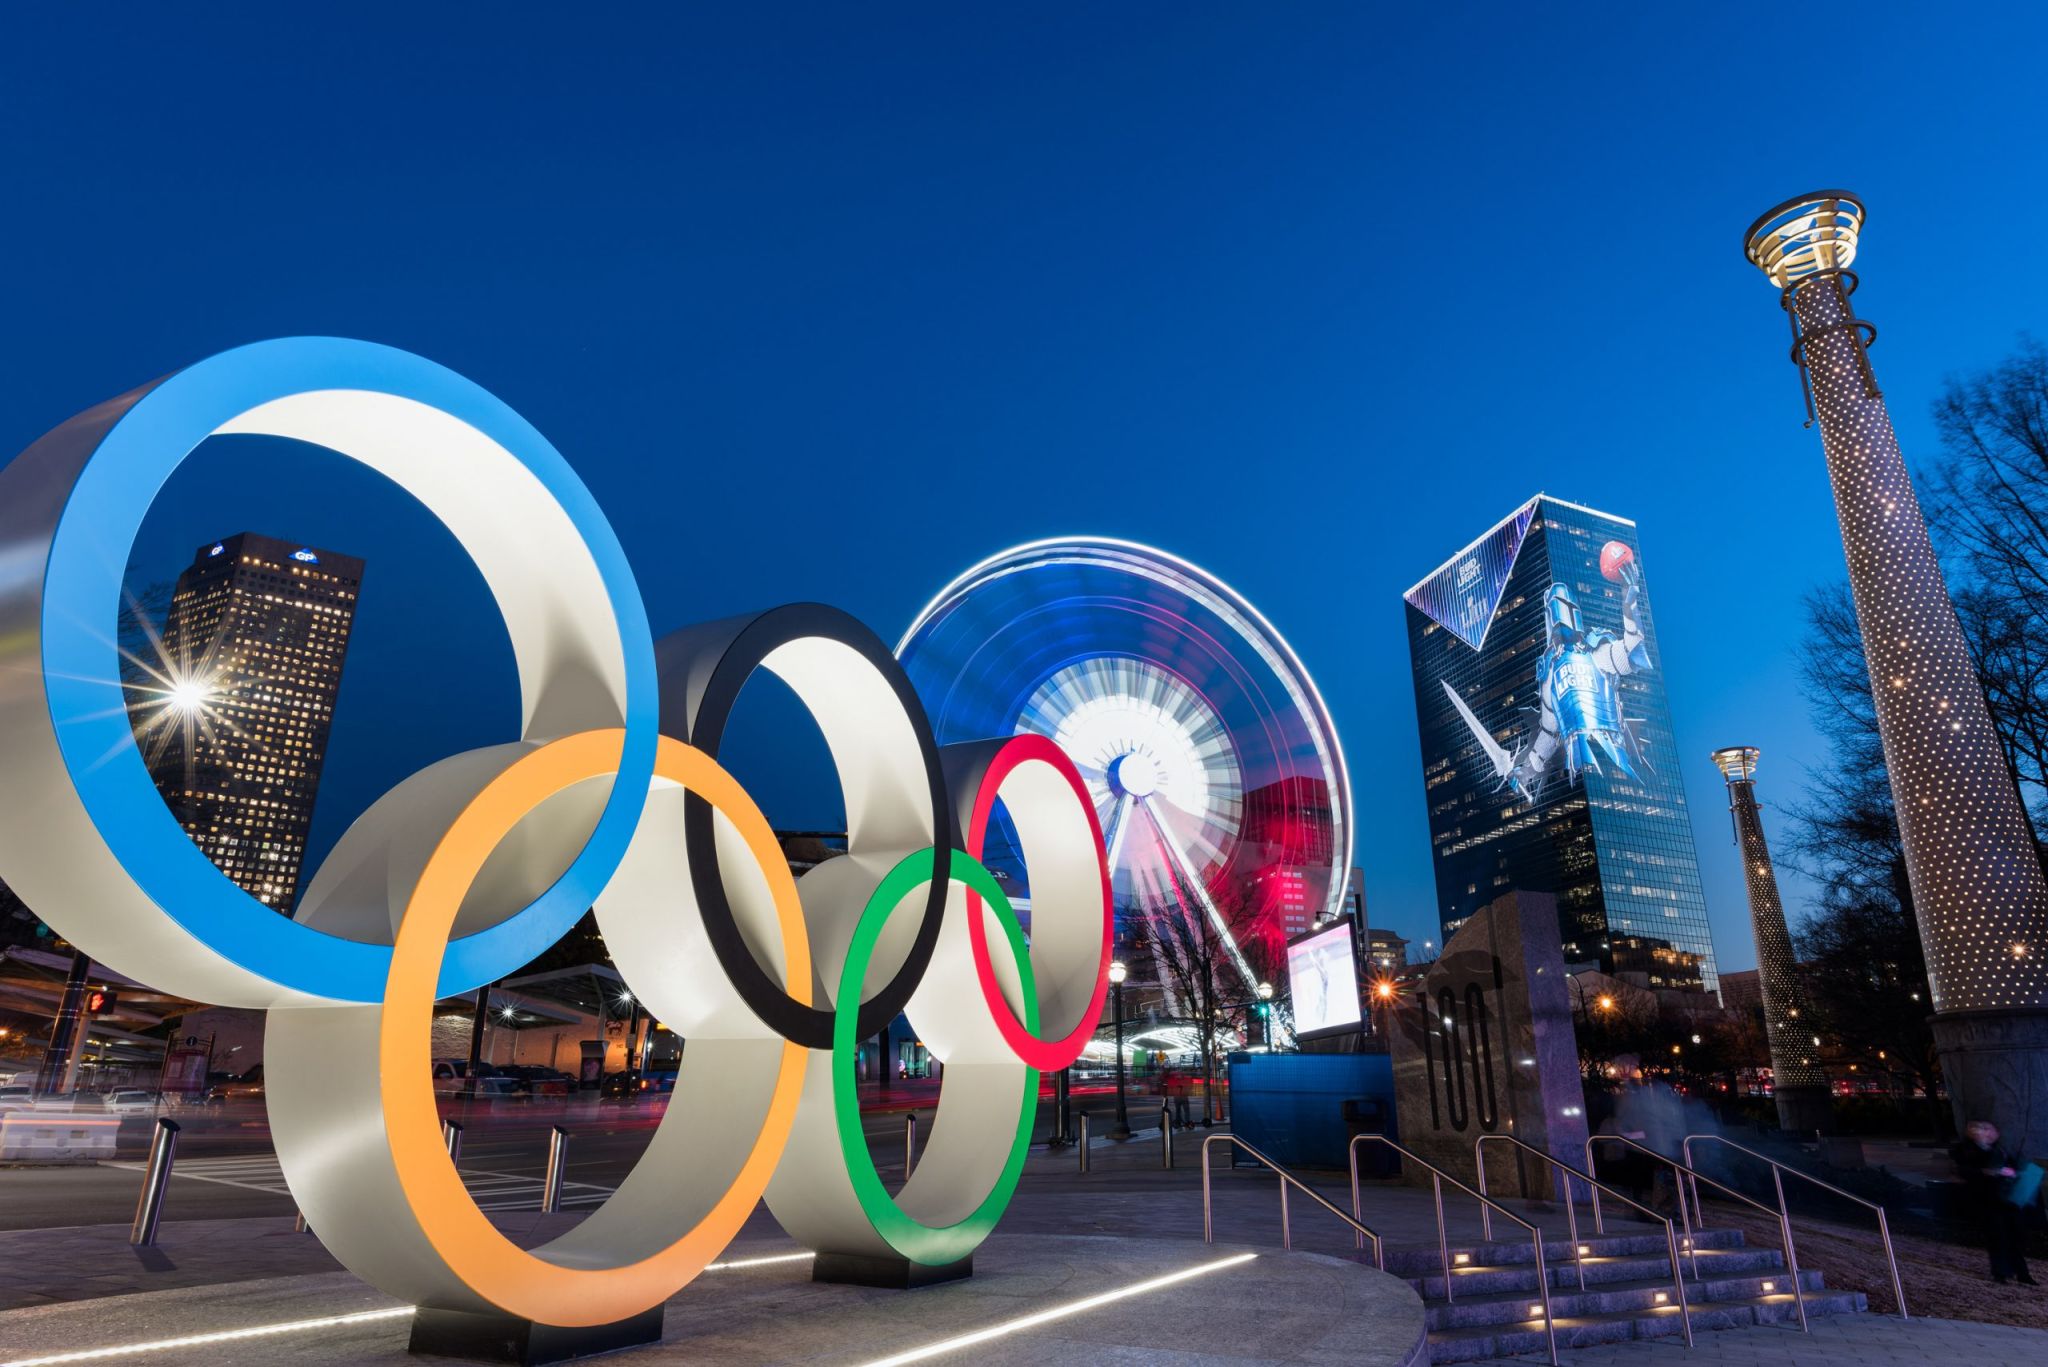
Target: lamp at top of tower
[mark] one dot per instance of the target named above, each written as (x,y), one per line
(1805,236)
(1737,763)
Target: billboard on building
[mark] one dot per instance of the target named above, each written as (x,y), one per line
(1572,685)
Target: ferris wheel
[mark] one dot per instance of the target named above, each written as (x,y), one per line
(1213,764)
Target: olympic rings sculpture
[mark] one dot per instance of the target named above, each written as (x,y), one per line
(613,799)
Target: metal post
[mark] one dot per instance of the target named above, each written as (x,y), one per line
(149,1209)
(1571,1215)
(551,1185)
(909,1143)
(1166,1136)
(1543,1285)
(1593,1189)
(1208,1221)
(1678,1281)
(1286,1229)
(1081,1148)
(57,1058)
(451,1135)
(1122,1128)
(1791,1256)
(1485,1211)
(299,1226)
(1443,1241)
(1884,1232)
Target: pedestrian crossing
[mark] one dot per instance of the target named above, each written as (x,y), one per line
(492,1191)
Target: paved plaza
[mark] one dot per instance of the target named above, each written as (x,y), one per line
(1068,1236)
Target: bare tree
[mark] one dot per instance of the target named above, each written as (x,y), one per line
(1210,961)
(1989,513)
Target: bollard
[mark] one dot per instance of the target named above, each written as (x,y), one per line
(451,1134)
(1165,1136)
(149,1208)
(1081,1145)
(909,1143)
(551,1185)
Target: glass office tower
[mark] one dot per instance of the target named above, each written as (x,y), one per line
(235,730)
(1547,755)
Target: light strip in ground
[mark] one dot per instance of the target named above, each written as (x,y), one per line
(297,1326)
(202,1340)
(1024,1322)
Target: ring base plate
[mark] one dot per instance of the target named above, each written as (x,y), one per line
(895,1274)
(506,1338)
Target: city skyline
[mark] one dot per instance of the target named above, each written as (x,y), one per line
(1111,292)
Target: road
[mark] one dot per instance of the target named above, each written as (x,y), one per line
(227,1169)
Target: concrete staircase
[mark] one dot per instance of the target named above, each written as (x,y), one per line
(1628,1294)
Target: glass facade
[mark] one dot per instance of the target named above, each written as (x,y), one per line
(1558,773)
(253,647)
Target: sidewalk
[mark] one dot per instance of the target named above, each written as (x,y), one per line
(257,1270)
(1839,1341)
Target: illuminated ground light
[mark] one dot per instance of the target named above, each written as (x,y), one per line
(205,1340)
(1024,1322)
(324,1322)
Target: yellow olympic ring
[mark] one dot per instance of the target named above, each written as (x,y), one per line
(537,1286)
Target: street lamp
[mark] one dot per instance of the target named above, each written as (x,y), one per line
(1117,974)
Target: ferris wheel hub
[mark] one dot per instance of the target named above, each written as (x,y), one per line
(1134,775)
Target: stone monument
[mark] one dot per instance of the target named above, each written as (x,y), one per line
(1485,1046)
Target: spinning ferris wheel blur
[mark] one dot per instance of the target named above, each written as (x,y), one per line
(1212,762)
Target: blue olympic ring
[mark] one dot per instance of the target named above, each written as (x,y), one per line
(81,664)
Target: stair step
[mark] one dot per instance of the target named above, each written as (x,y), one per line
(1414,1261)
(1641,1297)
(1478,1280)
(1479,1343)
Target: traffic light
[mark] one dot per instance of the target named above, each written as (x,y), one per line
(99,999)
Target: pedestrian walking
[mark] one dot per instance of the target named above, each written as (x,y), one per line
(1990,1175)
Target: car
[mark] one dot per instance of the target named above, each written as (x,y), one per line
(131,1101)
(628,1086)
(451,1078)
(17,1099)
(530,1079)
(247,1087)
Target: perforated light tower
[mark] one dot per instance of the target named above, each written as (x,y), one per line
(1799,1085)
(1977,883)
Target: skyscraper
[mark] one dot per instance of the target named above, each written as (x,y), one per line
(233,721)
(1975,872)
(1547,755)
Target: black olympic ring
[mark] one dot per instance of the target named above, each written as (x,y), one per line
(703,670)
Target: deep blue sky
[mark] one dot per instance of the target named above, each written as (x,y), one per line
(828,305)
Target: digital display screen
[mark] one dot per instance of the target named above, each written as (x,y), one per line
(1322,972)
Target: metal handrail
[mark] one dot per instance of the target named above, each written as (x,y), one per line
(1686,1171)
(1287,1179)
(1437,1178)
(1884,1230)
(1595,1186)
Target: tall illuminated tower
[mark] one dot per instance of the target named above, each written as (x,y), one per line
(1970,855)
(1799,1085)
